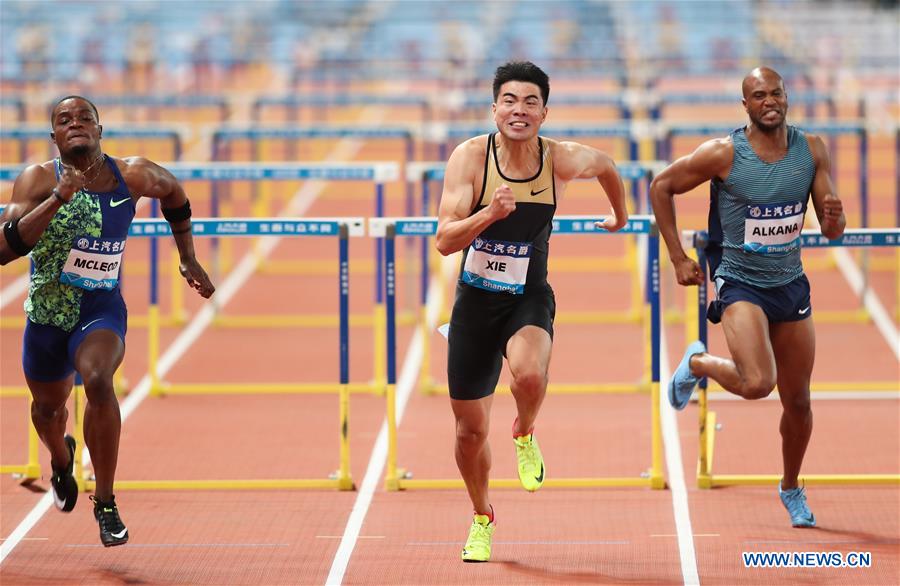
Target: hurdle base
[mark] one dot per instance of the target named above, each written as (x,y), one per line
(23,472)
(564,388)
(265,388)
(448,483)
(248,484)
(716,480)
(14,392)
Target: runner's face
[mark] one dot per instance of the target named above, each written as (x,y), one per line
(519,110)
(76,129)
(766,102)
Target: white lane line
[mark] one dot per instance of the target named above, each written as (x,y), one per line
(854,277)
(14,290)
(880,316)
(405,385)
(675,466)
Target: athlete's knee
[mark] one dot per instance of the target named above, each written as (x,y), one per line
(46,410)
(758,387)
(98,384)
(471,437)
(796,404)
(531,381)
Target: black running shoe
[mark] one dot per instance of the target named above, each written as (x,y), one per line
(112,530)
(65,489)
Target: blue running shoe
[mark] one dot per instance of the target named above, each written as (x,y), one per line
(794,500)
(683,382)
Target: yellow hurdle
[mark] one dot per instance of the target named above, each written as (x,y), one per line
(400,479)
(708,420)
(31,469)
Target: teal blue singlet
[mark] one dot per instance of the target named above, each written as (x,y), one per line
(757,213)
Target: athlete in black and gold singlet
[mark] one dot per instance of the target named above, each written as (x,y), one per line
(500,194)
(72,216)
(503,279)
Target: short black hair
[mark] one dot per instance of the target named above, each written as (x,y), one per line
(522,71)
(73,97)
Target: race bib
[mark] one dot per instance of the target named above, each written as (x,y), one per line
(93,263)
(773,228)
(494,265)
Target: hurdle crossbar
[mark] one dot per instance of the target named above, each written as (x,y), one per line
(697,305)
(25,133)
(390,228)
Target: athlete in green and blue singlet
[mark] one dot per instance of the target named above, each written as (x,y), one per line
(72,215)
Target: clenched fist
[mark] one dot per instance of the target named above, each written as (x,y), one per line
(503,203)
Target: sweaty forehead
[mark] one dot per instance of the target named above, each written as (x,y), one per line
(763,81)
(520,89)
(72,107)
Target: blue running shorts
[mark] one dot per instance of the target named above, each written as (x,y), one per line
(790,302)
(48,352)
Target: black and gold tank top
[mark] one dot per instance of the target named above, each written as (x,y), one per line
(510,255)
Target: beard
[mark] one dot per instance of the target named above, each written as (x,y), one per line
(80,150)
(762,124)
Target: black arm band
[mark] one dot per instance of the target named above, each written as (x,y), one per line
(179,214)
(11,232)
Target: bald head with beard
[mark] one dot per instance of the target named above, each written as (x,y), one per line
(760,74)
(765,98)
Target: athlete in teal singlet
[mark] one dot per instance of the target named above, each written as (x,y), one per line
(72,215)
(762,177)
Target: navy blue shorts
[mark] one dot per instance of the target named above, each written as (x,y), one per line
(481,324)
(48,352)
(786,303)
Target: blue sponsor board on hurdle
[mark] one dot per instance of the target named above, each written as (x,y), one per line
(427,226)
(379,171)
(586,225)
(858,237)
(252,227)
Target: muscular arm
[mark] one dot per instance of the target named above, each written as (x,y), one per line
(712,159)
(828,206)
(572,160)
(456,228)
(34,204)
(147,179)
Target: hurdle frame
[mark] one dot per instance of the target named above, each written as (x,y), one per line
(865,237)
(377,172)
(342,229)
(399,479)
(23,134)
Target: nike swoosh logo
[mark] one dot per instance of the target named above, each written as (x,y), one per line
(87,325)
(120,534)
(60,503)
(113,204)
(533,192)
(803,311)
(541,477)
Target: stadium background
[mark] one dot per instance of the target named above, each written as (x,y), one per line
(247,412)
